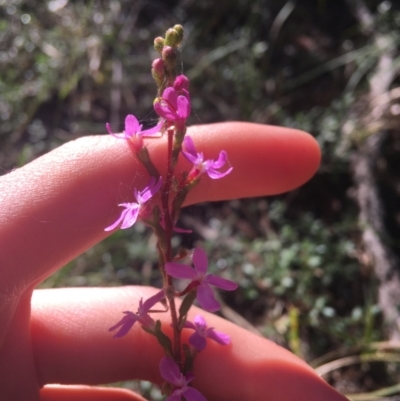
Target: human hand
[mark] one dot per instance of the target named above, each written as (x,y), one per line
(57,207)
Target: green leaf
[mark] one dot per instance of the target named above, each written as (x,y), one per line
(163,339)
(189,359)
(185,306)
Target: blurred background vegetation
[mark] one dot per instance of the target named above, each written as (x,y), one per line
(319,267)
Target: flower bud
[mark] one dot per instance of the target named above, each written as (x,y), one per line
(158,71)
(158,66)
(169,56)
(179,30)
(159,44)
(181,82)
(171,38)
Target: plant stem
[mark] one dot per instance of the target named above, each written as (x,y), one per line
(168,251)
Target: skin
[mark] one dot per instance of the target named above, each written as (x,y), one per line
(57,207)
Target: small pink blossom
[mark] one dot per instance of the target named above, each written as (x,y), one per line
(202,332)
(200,166)
(170,372)
(133,131)
(173,105)
(141,316)
(201,279)
(132,210)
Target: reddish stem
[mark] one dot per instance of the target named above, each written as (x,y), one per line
(168,251)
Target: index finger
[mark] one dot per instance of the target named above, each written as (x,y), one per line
(57,206)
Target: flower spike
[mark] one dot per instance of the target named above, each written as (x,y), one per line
(173,107)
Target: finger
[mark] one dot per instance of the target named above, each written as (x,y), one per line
(86,393)
(71,344)
(266,160)
(57,206)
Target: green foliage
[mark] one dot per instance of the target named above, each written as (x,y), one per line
(301,262)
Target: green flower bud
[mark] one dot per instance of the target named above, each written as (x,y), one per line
(171,38)
(179,30)
(159,44)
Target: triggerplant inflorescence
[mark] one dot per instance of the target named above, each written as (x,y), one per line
(158,205)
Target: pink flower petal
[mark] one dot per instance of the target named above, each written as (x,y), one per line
(150,302)
(171,97)
(125,323)
(189,150)
(118,221)
(164,111)
(197,341)
(178,270)
(108,126)
(154,131)
(191,394)
(170,371)
(221,282)
(183,107)
(132,125)
(222,158)
(189,325)
(206,299)
(150,190)
(215,175)
(200,321)
(200,261)
(119,136)
(220,338)
(131,216)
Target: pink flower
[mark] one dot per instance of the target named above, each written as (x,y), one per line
(201,279)
(132,210)
(200,165)
(141,316)
(170,372)
(202,332)
(173,105)
(133,131)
